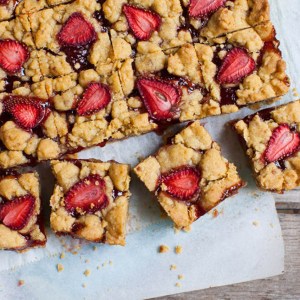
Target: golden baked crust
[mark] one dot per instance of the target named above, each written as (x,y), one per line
(191,147)
(106,225)
(256,131)
(32,235)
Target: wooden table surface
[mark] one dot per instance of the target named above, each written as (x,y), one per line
(286,286)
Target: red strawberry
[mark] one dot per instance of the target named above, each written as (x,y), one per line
(88,195)
(236,65)
(12,56)
(160,97)
(202,8)
(16,213)
(142,22)
(96,97)
(77,31)
(182,183)
(28,112)
(283,143)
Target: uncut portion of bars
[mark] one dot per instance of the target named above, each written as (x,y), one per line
(90,200)
(85,73)
(189,175)
(21,227)
(271,139)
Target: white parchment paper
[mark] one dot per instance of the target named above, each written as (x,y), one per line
(242,243)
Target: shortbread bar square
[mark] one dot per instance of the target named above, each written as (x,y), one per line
(90,200)
(189,175)
(271,138)
(20,207)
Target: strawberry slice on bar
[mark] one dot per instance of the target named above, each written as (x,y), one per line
(16,213)
(160,97)
(202,8)
(77,31)
(13,55)
(236,65)
(28,112)
(142,22)
(96,97)
(88,195)
(182,183)
(283,143)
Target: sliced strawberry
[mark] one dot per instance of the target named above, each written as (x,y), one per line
(202,8)
(16,213)
(142,22)
(12,56)
(283,143)
(182,183)
(77,31)
(28,112)
(96,97)
(236,65)
(87,195)
(160,97)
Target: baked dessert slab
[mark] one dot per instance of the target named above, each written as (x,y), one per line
(20,208)
(90,200)
(271,139)
(189,175)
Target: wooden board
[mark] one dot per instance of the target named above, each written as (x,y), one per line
(286,286)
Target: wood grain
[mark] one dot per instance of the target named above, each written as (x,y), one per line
(286,286)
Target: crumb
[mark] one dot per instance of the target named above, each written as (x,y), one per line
(163,249)
(21,282)
(98,267)
(94,248)
(84,285)
(104,264)
(176,229)
(173,267)
(180,276)
(87,273)
(62,255)
(178,249)
(215,213)
(74,252)
(271,225)
(255,223)
(60,267)
(86,261)
(110,262)
(178,284)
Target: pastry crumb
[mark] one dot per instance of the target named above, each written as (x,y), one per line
(87,272)
(215,213)
(180,276)
(173,267)
(60,267)
(163,249)
(178,284)
(94,248)
(255,223)
(83,285)
(21,282)
(86,261)
(178,249)
(110,262)
(98,267)
(104,264)
(62,255)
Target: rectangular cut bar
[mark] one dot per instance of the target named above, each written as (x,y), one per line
(21,227)
(90,200)
(189,175)
(271,139)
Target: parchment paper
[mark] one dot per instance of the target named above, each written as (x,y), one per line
(242,243)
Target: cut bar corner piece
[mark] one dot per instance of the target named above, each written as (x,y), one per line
(189,175)
(21,227)
(271,139)
(90,200)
